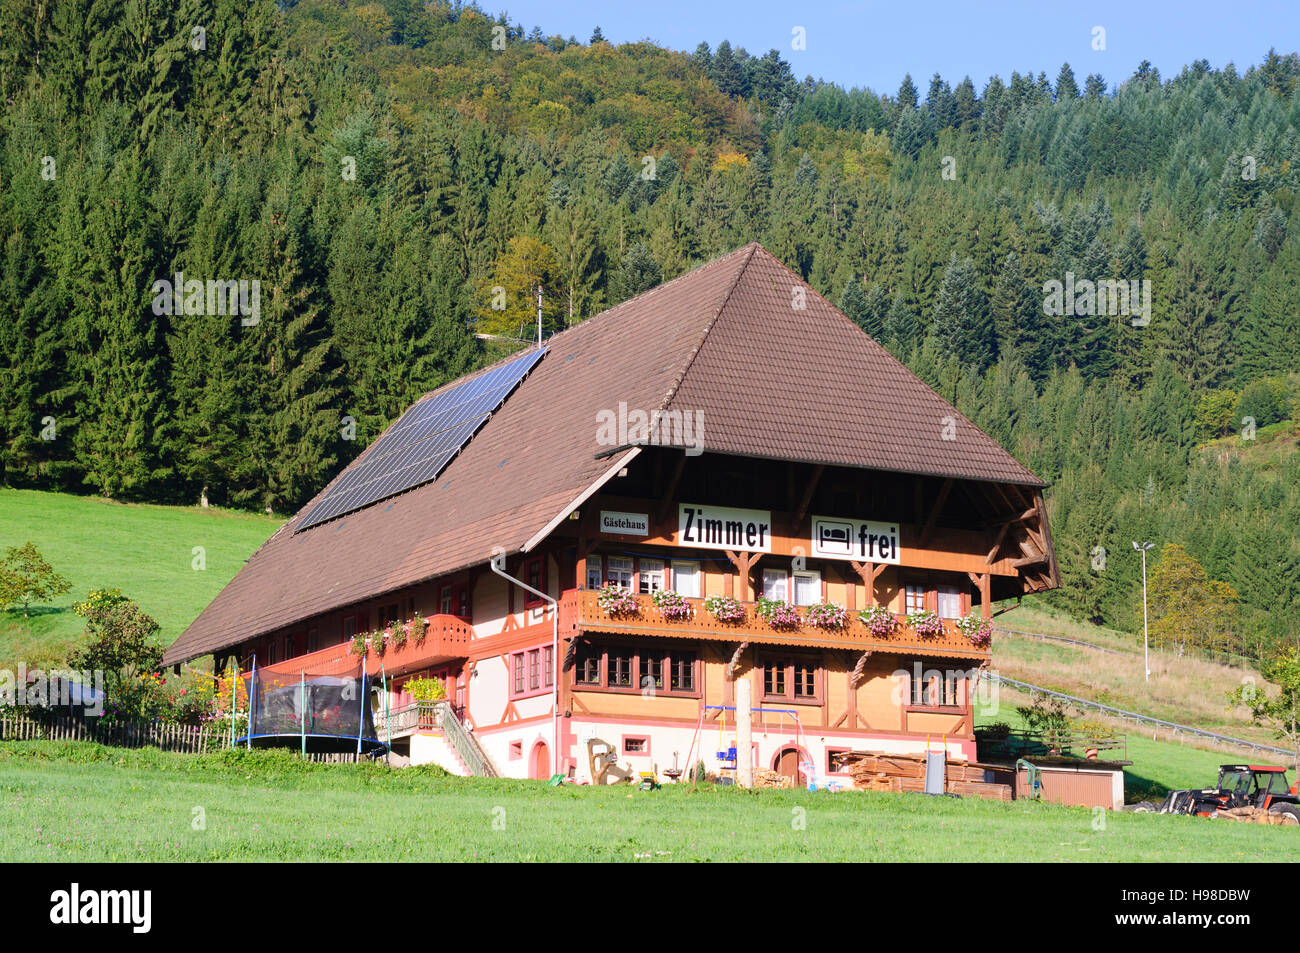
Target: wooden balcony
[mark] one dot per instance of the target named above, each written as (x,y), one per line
(446,637)
(580,611)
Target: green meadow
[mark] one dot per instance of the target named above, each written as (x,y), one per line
(83,802)
(147,551)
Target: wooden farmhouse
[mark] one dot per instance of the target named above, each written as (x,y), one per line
(589,530)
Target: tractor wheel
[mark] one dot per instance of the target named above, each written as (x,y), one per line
(1144,807)
(1290,814)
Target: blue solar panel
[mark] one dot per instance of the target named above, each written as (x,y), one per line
(422,442)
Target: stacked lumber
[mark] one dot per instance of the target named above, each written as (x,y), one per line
(880,771)
(1251,815)
(771,779)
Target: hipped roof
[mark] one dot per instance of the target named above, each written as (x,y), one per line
(773,368)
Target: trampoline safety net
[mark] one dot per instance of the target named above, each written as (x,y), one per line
(331,695)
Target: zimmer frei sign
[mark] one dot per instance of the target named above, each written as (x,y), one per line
(862,540)
(830,537)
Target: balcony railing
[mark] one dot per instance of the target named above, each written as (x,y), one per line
(583,609)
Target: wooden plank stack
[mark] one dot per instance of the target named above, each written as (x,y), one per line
(881,771)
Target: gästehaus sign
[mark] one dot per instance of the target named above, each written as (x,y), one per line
(830,537)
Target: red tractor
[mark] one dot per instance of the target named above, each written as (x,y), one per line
(1259,786)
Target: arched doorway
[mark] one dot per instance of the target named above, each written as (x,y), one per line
(539,765)
(786,764)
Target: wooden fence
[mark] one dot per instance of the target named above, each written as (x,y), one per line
(39,725)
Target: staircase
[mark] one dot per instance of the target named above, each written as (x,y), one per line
(463,744)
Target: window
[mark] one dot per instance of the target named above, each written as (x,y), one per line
(682,667)
(652,673)
(805,680)
(686,578)
(791,679)
(589,666)
(949,602)
(636,744)
(595,572)
(620,665)
(774,680)
(658,668)
(313,640)
(620,572)
(651,575)
(807,588)
(532,671)
(516,750)
(913,598)
(832,759)
(775,585)
(534,576)
(935,689)
(453,599)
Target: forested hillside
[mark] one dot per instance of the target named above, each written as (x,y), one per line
(398,176)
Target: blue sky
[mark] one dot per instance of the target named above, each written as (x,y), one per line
(873,44)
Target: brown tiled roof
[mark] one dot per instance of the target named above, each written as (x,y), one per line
(723,339)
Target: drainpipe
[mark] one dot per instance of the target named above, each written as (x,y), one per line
(497,565)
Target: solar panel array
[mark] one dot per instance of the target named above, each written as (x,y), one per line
(422,442)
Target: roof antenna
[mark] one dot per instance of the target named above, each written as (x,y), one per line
(539,314)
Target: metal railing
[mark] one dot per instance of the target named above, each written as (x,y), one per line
(464,743)
(1171,726)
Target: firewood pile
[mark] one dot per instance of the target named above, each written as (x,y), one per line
(878,771)
(1252,815)
(771,779)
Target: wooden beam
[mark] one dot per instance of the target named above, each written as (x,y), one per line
(734,665)
(743,562)
(1030,561)
(869,572)
(802,509)
(997,543)
(855,679)
(944,490)
(1055,573)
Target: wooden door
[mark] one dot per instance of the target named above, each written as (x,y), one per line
(787,765)
(541,766)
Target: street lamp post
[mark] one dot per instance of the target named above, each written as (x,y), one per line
(1146,652)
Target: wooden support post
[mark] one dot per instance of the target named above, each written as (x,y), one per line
(983,582)
(743,563)
(744,734)
(869,572)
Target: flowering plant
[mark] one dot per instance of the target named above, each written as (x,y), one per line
(425,689)
(827,615)
(725,609)
(925,624)
(416,629)
(978,630)
(616,601)
(358,646)
(879,621)
(379,641)
(672,605)
(777,614)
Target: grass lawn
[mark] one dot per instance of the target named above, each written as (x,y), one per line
(146,551)
(78,801)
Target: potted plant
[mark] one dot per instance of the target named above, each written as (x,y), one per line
(725,609)
(672,605)
(401,632)
(426,689)
(378,641)
(417,628)
(978,630)
(776,613)
(358,646)
(879,621)
(827,615)
(615,601)
(926,624)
